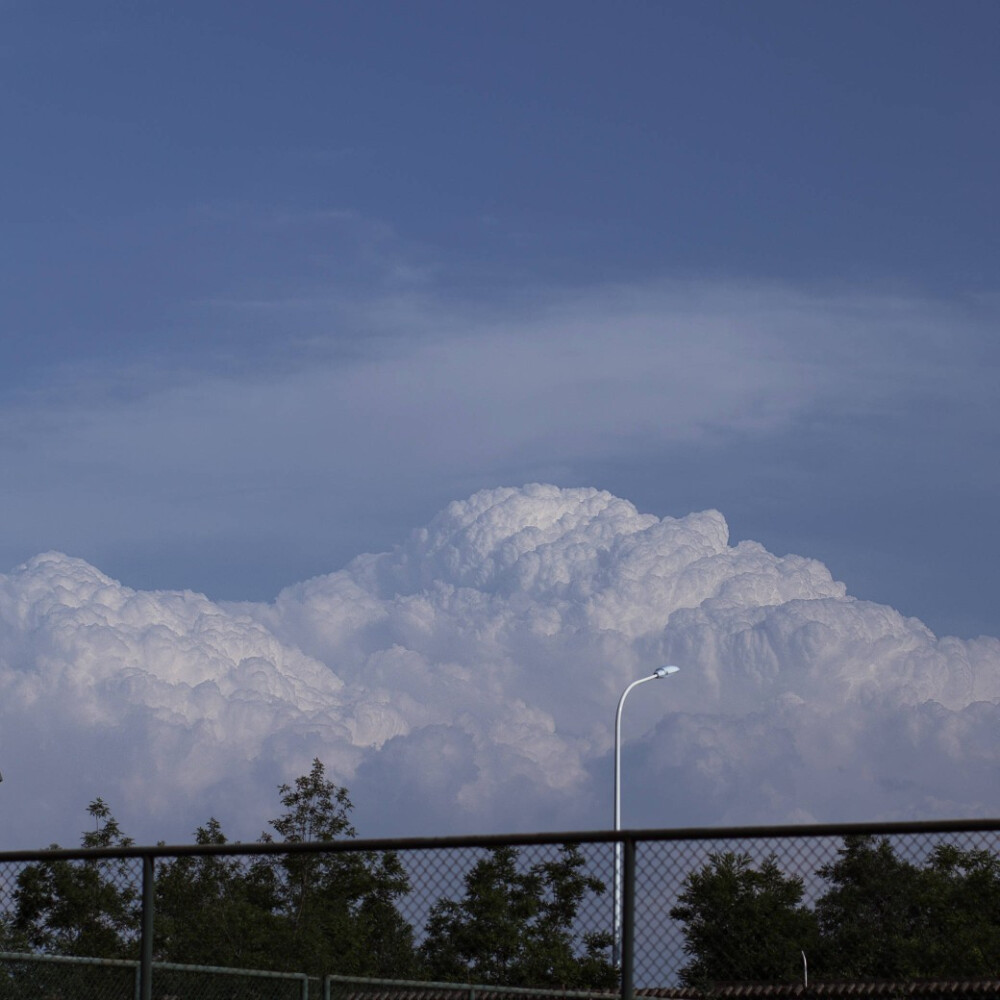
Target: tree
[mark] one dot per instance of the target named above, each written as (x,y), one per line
(873,918)
(211,911)
(338,909)
(326,912)
(963,927)
(81,908)
(743,924)
(517,928)
(884,918)
(318,913)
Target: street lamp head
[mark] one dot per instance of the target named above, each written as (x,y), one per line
(663,671)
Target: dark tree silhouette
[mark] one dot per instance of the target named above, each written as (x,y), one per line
(81,907)
(742,923)
(885,918)
(516,927)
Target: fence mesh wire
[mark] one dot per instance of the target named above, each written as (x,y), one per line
(193,983)
(51,979)
(887,897)
(744,908)
(79,907)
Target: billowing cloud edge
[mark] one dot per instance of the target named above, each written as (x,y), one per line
(477,664)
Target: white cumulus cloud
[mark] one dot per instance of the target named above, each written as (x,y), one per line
(467,680)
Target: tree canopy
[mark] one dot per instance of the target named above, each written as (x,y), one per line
(515,926)
(879,917)
(314,913)
(743,924)
(80,909)
(876,915)
(301,912)
(886,918)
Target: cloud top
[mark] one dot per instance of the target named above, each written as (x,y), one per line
(477,664)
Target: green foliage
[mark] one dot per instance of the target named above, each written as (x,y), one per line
(517,928)
(873,916)
(881,917)
(884,918)
(213,910)
(320,913)
(743,924)
(339,908)
(963,936)
(80,908)
(332,912)
(337,911)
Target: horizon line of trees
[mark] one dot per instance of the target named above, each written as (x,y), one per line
(316,913)
(880,916)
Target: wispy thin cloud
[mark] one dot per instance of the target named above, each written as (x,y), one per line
(406,391)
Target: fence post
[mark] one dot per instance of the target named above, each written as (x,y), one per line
(146,939)
(628,920)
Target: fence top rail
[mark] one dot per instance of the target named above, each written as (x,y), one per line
(31,956)
(133,963)
(500,840)
(226,970)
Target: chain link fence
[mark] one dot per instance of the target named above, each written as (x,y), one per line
(58,977)
(706,912)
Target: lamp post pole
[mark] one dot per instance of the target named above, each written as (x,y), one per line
(617,894)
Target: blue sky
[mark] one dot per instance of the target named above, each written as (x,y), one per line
(280,281)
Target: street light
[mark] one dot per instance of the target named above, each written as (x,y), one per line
(617,898)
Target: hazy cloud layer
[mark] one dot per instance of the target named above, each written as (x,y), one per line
(467,679)
(842,424)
